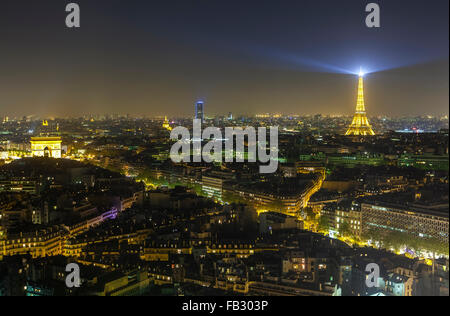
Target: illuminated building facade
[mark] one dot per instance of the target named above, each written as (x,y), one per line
(38,244)
(421,222)
(285,203)
(46,147)
(360,125)
(213,187)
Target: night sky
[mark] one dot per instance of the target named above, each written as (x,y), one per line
(241,56)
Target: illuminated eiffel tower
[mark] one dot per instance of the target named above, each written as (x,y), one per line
(360,124)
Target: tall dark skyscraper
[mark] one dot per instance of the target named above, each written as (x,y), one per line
(200,110)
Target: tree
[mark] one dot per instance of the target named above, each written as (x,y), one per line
(232,198)
(434,245)
(396,240)
(372,234)
(345,230)
(310,215)
(324,224)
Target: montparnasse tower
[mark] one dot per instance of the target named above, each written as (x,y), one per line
(360,125)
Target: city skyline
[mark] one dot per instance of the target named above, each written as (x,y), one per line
(302,58)
(346,113)
(218,154)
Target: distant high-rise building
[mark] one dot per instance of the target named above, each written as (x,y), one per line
(360,124)
(200,110)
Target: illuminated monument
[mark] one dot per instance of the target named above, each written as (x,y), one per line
(166,124)
(360,124)
(46,145)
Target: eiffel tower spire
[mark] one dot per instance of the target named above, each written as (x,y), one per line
(360,124)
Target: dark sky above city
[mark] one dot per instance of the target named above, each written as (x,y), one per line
(242,56)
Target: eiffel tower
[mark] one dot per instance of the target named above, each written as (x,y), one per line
(360,125)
